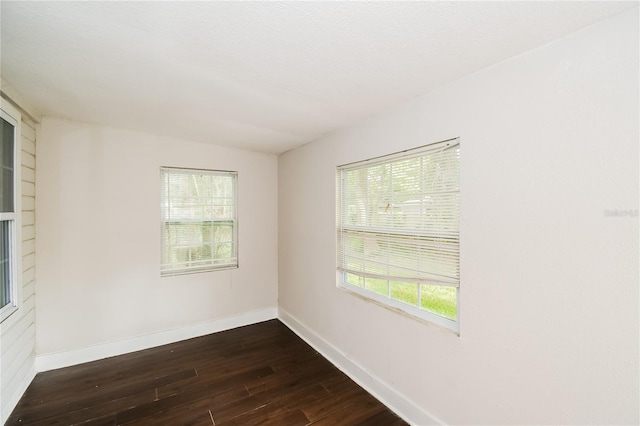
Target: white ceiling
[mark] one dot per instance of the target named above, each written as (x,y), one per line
(266,76)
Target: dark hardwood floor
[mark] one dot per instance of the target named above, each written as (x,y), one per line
(256,375)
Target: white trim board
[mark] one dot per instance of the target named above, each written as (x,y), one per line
(53,361)
(397,402)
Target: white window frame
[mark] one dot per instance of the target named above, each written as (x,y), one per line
(230,263)
(342,271)
(13,117)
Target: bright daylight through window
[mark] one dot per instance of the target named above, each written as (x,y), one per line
(10,133)
(397,226)
(199,220)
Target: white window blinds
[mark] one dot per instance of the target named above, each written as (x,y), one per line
(198,220)
(397,217)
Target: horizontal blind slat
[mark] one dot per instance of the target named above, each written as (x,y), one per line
(398,218)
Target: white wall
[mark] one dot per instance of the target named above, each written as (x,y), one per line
(99,240)
(549,298)
(18,332)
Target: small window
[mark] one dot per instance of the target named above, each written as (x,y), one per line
(199,220)
(9,179)
(397,231)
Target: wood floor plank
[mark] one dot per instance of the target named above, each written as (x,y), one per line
(185,398)
(196,414)
(296,399)
(268,414)
(102,421)
(321,408)
(241,406)
(357,409)
(261,374)
(384,417)
(95,412)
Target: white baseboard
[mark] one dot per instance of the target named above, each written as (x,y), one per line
(398,403)
(8,407)
(52,361)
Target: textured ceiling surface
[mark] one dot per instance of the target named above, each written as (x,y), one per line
(265,76)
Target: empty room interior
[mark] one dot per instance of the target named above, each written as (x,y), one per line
(437,201)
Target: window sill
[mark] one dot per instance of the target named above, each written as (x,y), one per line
(196,271)
(428,318)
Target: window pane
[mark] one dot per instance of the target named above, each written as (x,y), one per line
(355,280)
(222,252)
(377,285)
(201,243)
(440,300)
(405,292)
(6,165)
(5,263)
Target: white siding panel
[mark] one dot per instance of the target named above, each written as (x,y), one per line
(28,146)
(28,133)
(28,276)
(28,290)
(28,204)
(28,247)
(28,261)
(17,340)
(14,333)
(11,354)
(28,160)
(28,188)
(28,232)
(28,174)
(20,353)
(29,306)
(28,218)
(25,362)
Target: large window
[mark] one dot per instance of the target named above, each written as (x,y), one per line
(397,230)
(199,220)
(9,203)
